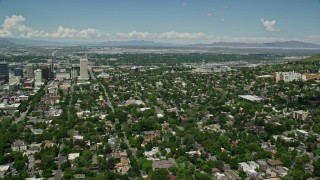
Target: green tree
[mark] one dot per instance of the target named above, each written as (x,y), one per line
(159,174)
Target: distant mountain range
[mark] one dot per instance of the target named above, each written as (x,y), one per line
(7,42)
(136,43)
(286,44)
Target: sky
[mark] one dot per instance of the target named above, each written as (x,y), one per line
(175,21)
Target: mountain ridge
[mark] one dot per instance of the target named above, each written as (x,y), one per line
(276,44)
(146,43)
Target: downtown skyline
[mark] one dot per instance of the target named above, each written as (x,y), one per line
(181,21)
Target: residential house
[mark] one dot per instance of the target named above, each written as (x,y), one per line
(263,165)
(220,176)
(77,139)
(300,115)
(79,176)
(19,145)
(274,163)
(194,153)
(276,166)
(33,148)
(309,168)
(151,154)
(73,156)
(232,175)
(249,168)
(4,170)
(163,164)
(148,136)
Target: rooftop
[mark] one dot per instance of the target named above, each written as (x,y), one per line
(251,97)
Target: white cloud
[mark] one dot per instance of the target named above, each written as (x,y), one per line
(14,27)
(209,14)
(184,4)
(222,19)
(91,33)
(269,25)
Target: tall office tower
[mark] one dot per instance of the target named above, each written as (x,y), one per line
(38,77)
(30,71)
(4,72)
(18,72)
(51,68)
(45,71)
(84,68)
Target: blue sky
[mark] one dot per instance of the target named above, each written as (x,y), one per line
(180,21)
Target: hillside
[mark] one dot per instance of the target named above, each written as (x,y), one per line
(313,58)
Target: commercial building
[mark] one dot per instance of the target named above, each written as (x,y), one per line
(74,71)
(308,76)
(211,69)
(84,69)
(18,72)
(286,76)
(30,71)
(14,79)
(38,77)
(45,71)
(51,68)
(63,75)
(4,71)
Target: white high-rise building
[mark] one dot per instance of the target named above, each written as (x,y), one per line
(84,68)
(38,77)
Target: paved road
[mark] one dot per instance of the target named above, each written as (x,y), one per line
(108,99)
(133,150)
(58,172)
(105,91)
(91,73)
(22,116)
(70,94)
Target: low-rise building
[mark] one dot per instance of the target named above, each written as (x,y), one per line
(232,175)
(300,115)
(4,170)
(286,76)
(73,156)
(19,145)
(163,164)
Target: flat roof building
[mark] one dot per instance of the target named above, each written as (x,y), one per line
(251,98)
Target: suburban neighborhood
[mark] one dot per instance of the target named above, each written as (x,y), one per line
(96,116)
